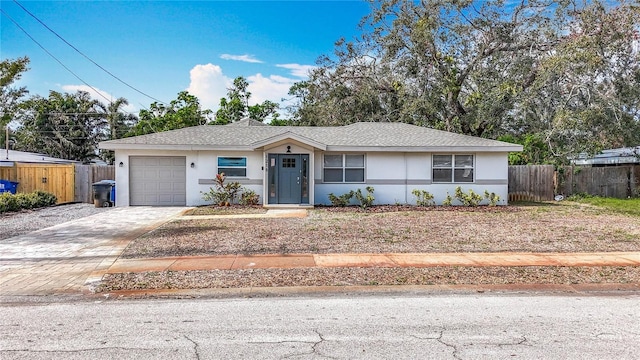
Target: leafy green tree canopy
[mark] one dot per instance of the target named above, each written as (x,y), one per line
(68,126)
(565,72)
(10,96)
(236,106)
(182,112)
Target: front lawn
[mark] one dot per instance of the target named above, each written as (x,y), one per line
(553,227)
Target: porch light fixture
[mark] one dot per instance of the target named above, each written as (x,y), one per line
(288,149)
(121,164)
(193,165)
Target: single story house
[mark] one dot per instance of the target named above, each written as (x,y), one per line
(300,166)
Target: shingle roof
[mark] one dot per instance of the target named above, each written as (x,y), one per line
(365,134)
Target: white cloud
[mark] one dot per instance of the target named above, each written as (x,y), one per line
(97,94)
(301,71)
(245,58)
(273,88)
(209,84)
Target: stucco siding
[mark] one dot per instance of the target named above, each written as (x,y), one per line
(199,178)
(492,166)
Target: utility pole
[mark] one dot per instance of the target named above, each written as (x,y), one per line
(6,140)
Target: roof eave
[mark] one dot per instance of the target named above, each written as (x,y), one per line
(184,147)
(500,149)
(286,136)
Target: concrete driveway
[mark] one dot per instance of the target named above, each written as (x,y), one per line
(68,257)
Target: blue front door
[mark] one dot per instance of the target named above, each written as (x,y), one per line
(288,179)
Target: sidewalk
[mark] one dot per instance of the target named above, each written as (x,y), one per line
(235,262)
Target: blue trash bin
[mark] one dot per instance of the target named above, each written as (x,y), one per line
(8,186)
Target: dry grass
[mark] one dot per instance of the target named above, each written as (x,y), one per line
(566,227)
(549,228)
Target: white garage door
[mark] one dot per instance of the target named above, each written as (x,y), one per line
(157,180)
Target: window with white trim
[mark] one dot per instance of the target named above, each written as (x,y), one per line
(232,166)
(453,168)
(343,168)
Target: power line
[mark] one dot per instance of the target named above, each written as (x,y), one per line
(85,56)
(50,54)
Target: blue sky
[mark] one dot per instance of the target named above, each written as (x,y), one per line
(164,47)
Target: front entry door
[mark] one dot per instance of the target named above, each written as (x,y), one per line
(288,179)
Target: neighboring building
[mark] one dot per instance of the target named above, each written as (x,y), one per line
(611,157)
(9,157)
(292,165)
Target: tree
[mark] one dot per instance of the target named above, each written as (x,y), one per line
(10,96)
(485,68)
(68,126)
(119,124)
(182,112)
(236,106)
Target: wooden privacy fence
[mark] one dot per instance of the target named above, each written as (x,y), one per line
(531,182)
(611,181)
(86,175)
(542,182)
(68,182)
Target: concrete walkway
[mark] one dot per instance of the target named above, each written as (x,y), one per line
(70,257)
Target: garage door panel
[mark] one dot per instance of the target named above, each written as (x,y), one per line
(157,180)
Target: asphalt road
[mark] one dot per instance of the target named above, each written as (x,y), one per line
(482,326)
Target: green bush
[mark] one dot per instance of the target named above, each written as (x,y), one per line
(468,199)
(365,200)
(492,197)
(448,201)
(224,193)
(423,197)
(45,199)
(342,200)
(8,202)
(249,197)
(27,201)
(36,199)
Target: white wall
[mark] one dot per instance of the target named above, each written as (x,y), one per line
(395,176)
(205,167)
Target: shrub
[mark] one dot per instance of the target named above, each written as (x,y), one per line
(224,193)
(448,201)
(365,200)
(36,199)
(45,198)
(27,201)
(249,197)
(468,199)
(342,200)
(8,202)
(492,197)
(423,197)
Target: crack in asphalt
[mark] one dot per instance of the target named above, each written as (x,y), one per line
(439,339)
(454,347)
(522,341)
(195,346)
(314,350)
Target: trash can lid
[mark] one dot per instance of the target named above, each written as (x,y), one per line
(105,182)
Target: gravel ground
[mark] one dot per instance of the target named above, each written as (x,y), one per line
(368,276)
(23,222)
(552,228)
(545,228)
